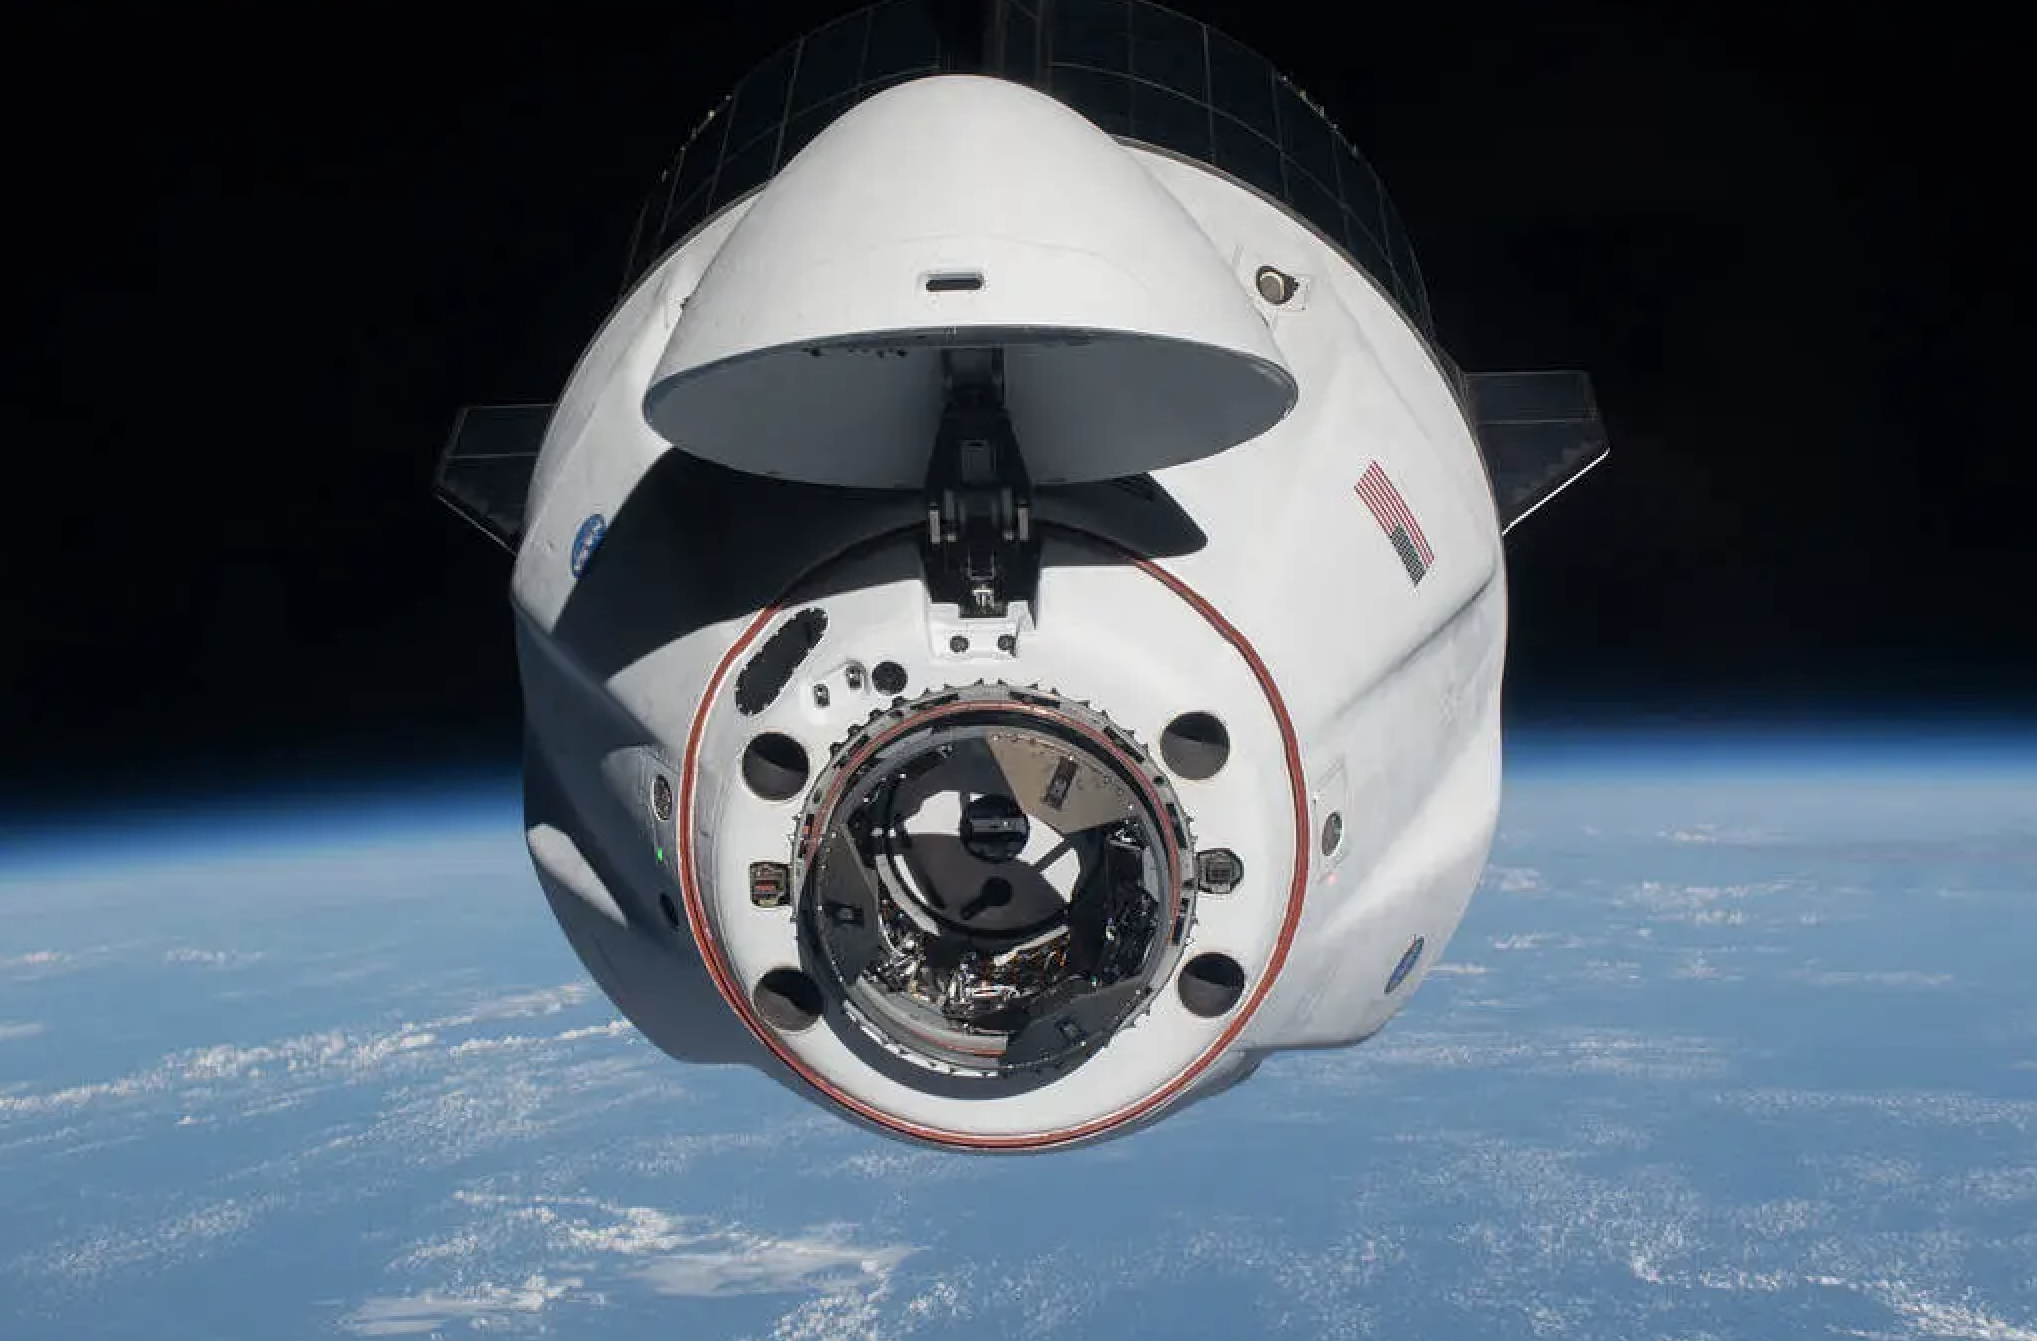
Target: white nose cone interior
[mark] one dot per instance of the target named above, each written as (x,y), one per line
(965,212)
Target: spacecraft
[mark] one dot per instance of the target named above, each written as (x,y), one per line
(1011,603)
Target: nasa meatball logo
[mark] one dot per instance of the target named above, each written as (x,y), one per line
(1405,966)
(586,540)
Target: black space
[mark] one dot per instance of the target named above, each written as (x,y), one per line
(269,251)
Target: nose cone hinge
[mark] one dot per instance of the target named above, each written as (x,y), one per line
(980,550)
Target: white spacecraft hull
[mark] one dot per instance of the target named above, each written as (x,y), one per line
(1320,572)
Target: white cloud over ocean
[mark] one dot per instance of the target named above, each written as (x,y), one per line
(833,1278)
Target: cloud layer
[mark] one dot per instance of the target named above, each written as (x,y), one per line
(1637,1097)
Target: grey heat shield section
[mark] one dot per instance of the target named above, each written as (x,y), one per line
(1539,433)
(484,473)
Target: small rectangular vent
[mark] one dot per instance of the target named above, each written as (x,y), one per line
(955,281)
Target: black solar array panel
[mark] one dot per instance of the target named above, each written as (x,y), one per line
(485,471)
(1538,432)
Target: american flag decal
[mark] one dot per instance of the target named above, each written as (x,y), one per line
(1391,511)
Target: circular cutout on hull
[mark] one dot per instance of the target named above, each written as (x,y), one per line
(788,1000)
(1196,746)
(1211,984)
(774,766)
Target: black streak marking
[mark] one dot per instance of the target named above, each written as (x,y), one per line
(767,673)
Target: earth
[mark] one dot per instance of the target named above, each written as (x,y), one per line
(1736,1042)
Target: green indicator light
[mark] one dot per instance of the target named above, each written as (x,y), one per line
(661,853)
